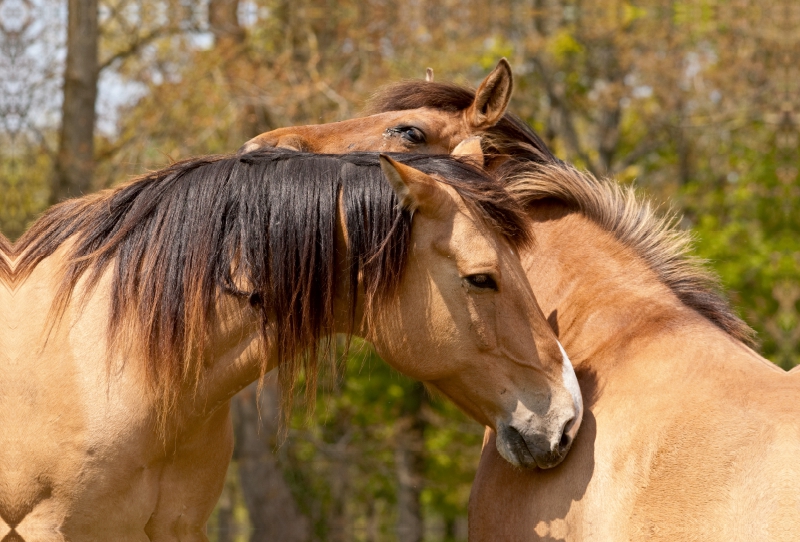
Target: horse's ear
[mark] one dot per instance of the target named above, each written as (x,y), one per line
(415,190)
(492,97)
(470,149)
(429,74)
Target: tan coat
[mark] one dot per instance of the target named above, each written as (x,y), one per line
(688,434)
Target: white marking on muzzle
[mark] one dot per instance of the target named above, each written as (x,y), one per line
(571,383)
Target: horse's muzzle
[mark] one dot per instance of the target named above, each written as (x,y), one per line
(534,450)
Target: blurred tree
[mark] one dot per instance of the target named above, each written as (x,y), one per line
(382,458)
(232,47)
(74,165)
(28,82)
(273,512)
(410,458)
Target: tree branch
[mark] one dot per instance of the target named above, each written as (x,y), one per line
(568,131)
(137,45)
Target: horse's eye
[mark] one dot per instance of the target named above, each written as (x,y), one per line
(409,133)
(482,281)
(414,135)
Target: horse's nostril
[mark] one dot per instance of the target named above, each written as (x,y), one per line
(565,438)
(564,442)
(258,142)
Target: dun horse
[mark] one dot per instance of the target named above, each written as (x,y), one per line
(140,311)
(688,433)
(422,117)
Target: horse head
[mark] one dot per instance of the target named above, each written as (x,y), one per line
(447,116)
(466,322)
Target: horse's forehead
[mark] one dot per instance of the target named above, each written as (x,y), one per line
(463,233)
(473,244)
(434,119)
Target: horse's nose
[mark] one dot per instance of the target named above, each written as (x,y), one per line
(532,450)
(549,455)
(258,142)
(275,139)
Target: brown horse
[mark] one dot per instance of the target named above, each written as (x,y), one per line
(422,117)
(688,433)
(140,311)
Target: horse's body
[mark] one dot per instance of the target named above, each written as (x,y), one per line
(689,434)
(139,312)
(80,458)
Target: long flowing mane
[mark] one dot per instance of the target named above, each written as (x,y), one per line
(5,260)
(509,138)
(260,226)
(632,220)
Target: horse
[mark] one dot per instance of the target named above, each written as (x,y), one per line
(422,117)
(139,311)
(688,433)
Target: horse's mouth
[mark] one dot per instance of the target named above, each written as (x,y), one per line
(526,454)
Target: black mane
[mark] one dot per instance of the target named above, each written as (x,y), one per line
(261,226)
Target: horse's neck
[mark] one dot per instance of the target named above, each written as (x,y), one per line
(233,357)
(236,348)
(603,299)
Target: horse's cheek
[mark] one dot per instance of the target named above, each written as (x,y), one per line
(483,321)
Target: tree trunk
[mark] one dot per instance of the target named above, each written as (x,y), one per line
(75,159)
(273,512)
(225,520)
(223,20)
(410,467)
(449,529)
(339,519)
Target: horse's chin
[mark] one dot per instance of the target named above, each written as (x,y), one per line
(523,453)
